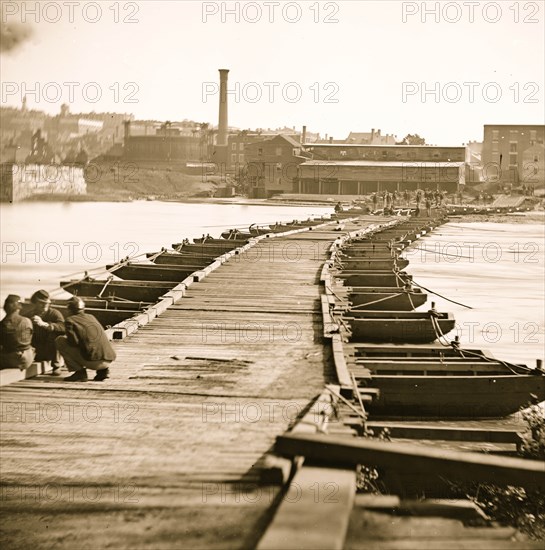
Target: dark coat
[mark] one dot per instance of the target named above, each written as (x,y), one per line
(15,333)
(43,339)
(86,333)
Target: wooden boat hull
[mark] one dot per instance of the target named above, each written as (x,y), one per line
(205,249)
(98,303)
(142,272)
(106,317)
(410,352)
(374,278)
(247,234)
(222,242)
(370,246)
(405,329)
(396,300)
(145,291)
(363,264)
(454,396)
(174,258)
(368,254)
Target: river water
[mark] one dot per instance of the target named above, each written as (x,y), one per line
(43,243)
(498,270)
(495,268)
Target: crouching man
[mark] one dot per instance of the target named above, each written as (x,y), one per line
(16,351)
(85,345)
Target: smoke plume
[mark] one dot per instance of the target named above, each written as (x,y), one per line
(13,35)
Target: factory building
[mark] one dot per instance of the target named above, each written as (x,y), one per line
(514,154)
(344,169)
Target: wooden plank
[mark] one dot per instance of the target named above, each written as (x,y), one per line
(317,417)
(343,374)
(455,543)
(407,458)
(446,433)
(315,512)
(461,509)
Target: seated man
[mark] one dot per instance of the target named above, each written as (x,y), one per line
(85,345)
(16,351)
(48,325)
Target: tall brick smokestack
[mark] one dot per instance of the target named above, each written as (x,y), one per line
(222,123)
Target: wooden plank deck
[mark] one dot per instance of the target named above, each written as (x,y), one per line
(163,453)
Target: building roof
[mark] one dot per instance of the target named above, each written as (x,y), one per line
(370,146)
(515,125)
(394,163)
(354,136)
(290,140)
(293,142)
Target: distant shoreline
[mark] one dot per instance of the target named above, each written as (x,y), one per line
(528,217)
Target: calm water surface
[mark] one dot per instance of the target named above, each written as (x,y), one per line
(43,243)
(498,270)
(495,268)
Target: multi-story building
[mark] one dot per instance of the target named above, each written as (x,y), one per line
(360,169)
(513,154)
(166,145)
(271,165)
(374,137)
(238,143)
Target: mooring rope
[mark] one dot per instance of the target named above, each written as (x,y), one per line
(440,295)
(443,253)
(377,301)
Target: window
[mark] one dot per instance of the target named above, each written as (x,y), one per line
(233,159)
(260,152)
(343,153)
(241,146)
(241,158)
(233,146)
(494,146)
(513,147)
(495,135)
(278,151)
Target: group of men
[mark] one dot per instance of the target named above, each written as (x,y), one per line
(38,332)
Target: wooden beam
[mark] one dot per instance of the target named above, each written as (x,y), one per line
(413,459)
(315,511)
(447,433)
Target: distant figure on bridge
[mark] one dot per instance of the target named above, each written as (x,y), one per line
(16,351)
(85,345)
(428,207)
(48,325)
(338,207)
(375,201)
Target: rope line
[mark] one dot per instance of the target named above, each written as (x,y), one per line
(440,295)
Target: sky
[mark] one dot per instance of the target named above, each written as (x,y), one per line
(439,69)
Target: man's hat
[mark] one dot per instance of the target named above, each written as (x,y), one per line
(40,296)
(12,299)
(75,304)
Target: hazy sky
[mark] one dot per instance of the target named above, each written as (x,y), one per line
(348,74)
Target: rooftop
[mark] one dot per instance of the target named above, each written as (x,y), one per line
(379,145)
(357,163)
